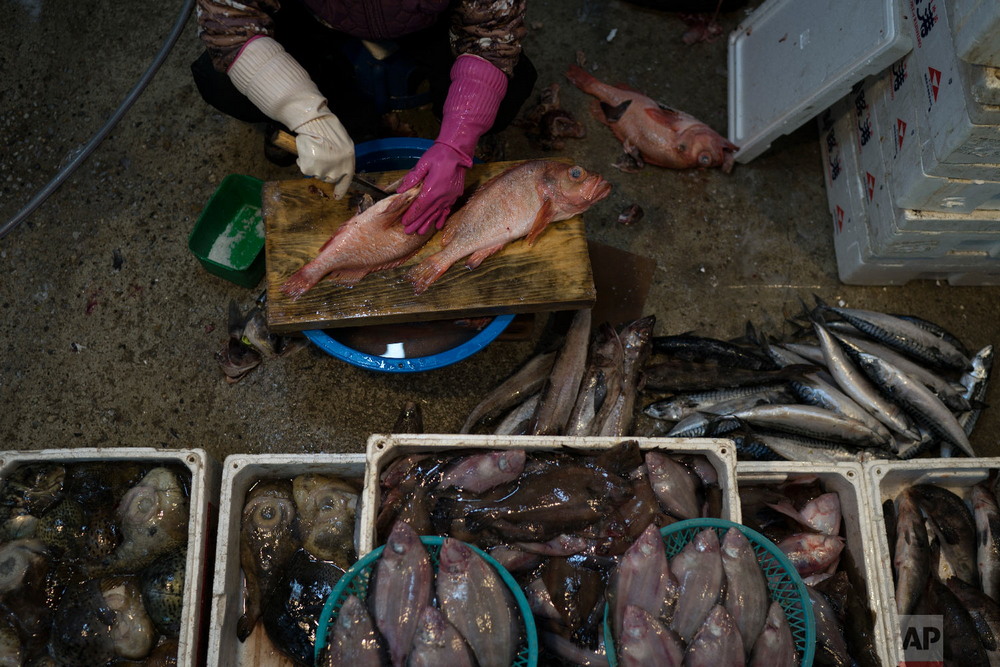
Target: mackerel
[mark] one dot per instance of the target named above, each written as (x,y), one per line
(814,390)
(920,402)
(720,400)
(853,381)
(976,382)
(811,421)
(904,336)
(800,448)
(704,349)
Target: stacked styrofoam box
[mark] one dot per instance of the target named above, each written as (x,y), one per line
(203,492)
(884,480)
(976,27)
(240,473)
(847,480)
(384,449)
(925,144)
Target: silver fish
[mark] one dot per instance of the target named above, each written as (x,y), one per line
(717,643)
(684,405)
(976,382)
(856,384)
(560,392)
(477,602)
(518,420)
(698,570)
(438,643)
(675,486)
(811,421)
(987,517)
(353,640)
(919,401)
(645,640)
(905,336)
(775,647)
(912,559)
(800,448)
(747,598)
(811,552)
(642,579)
(527,381)
(483,471)
(615,417)
(814,390)
(601,383)
(404,585)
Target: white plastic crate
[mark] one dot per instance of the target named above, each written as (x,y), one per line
(975,26)
(240,473)
(204,491)
(384,449)
(885,479)
(848,482)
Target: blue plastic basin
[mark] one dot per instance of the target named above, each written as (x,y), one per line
(395,154)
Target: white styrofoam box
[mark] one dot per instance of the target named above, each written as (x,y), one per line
(204,492)
(885,479)
(384,449)
(928,83)
(847,480)
(839,155)
(975,26)
(982,92)
(790,60)
(240,473)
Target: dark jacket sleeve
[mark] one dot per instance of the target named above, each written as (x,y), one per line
(490,29)
(226,25)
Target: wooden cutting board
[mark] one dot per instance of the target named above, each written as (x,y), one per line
(301,215)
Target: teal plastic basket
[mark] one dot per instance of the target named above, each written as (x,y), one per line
(356,580)
(783,581)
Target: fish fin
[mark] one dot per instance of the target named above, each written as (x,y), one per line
(426,273)
(476,258)
(299,283)
(614,114)
(662,116)
(349,277)
(542,219)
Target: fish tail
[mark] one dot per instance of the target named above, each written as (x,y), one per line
(299,283)
(580,77)
(426,273)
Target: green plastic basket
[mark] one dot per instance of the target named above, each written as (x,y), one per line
(783,581)
(228,238)
(356,580)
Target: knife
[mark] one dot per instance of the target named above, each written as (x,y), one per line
(286,141)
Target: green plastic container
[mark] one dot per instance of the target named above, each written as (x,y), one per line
(783,582)
(356,580)
(228,238)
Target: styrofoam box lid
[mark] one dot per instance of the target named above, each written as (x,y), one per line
(789,60)
(847,480)
(203,492)
(383,449)
(239,473)
(885,479)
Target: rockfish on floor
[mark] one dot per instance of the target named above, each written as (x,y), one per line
(372,240)
(518,202)
(652,132)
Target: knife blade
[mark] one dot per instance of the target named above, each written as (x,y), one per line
(286,141)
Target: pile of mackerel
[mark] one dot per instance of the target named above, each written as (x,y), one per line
(849,385)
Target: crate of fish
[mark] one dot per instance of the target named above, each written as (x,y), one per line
(557,512)
(288,530)
(938,536)
(819,516)
(707,591)
(427,600)
(105,553)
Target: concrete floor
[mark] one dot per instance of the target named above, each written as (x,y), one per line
(97,354)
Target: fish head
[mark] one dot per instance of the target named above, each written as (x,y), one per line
(578,189)
(704,147)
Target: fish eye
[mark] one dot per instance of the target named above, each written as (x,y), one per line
(705,159)
(575,172)
(682,147)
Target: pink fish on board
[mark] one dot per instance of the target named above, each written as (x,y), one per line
(521,201)
(372,240)
(651,132)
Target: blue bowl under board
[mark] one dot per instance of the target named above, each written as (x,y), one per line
(396,154)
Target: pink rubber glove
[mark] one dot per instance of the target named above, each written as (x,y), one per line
(477,87)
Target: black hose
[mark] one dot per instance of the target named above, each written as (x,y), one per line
(96,140)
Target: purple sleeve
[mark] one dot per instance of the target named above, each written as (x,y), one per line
(490,29)
(226,25)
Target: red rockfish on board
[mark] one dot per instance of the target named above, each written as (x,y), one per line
(372,240)
(520,201)
(652,132)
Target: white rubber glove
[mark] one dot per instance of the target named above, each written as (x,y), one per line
(278,86)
